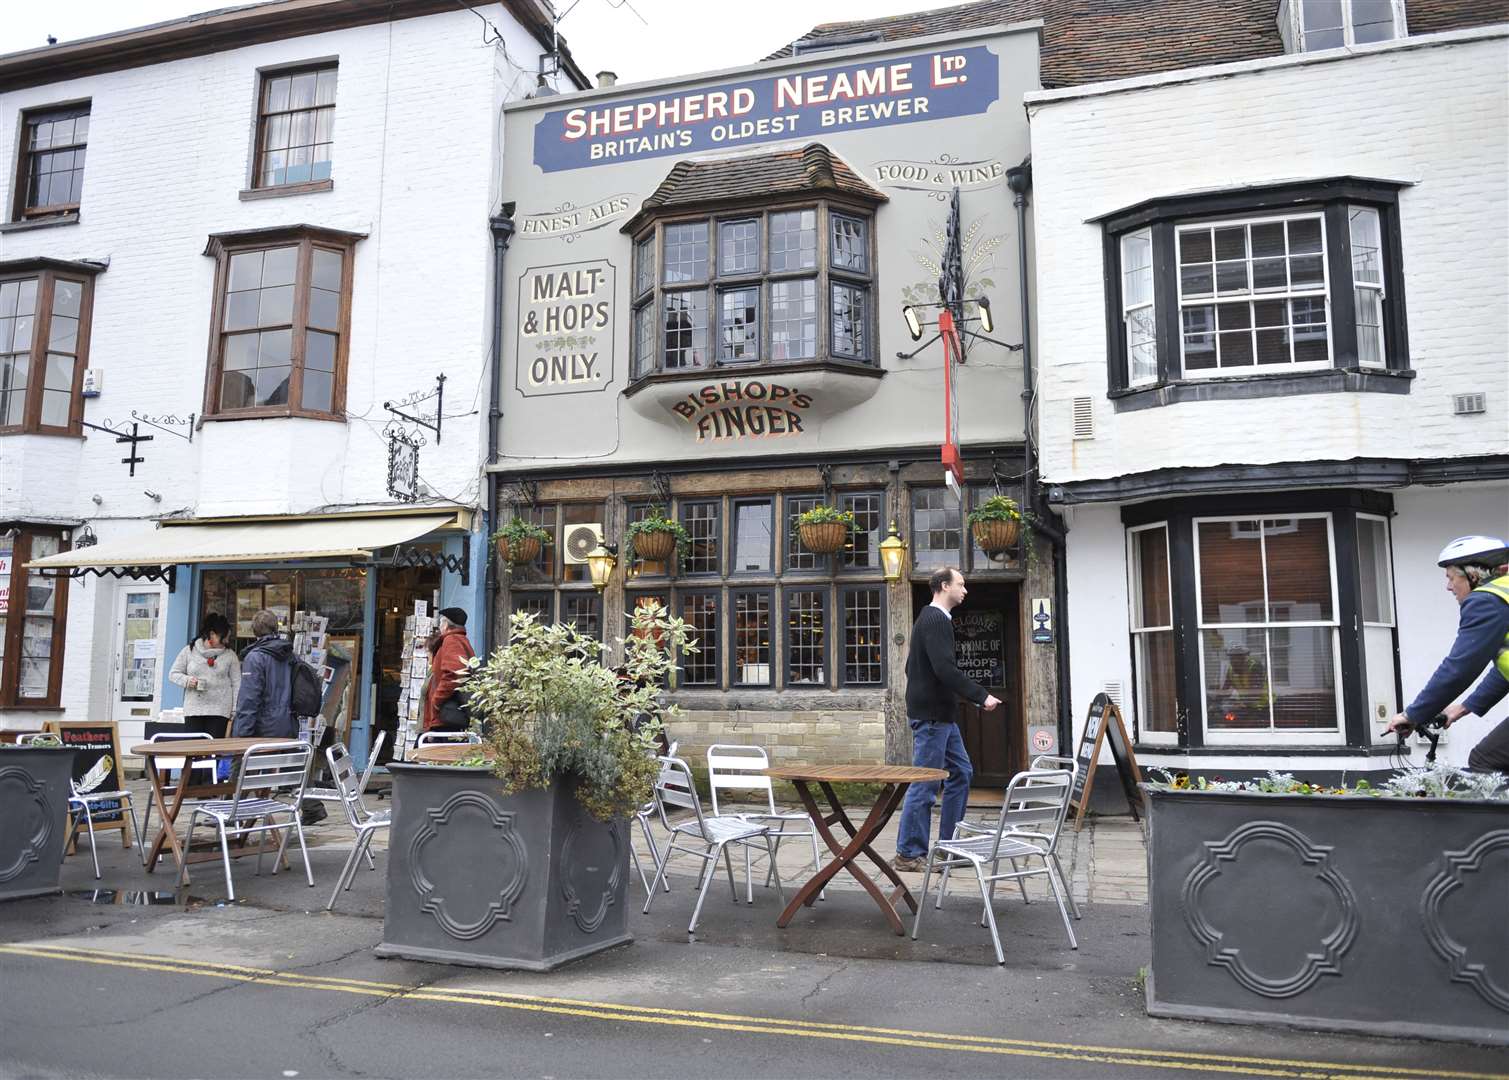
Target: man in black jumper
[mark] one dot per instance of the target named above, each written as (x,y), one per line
(934,684)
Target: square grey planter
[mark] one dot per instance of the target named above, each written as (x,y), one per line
(529,880)
(33,819)
(1387,916)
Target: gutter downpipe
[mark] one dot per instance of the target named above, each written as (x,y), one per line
(1048,523)
(502,227)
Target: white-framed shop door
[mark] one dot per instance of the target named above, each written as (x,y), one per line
(137,662)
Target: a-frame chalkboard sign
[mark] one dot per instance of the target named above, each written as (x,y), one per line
(96,767)
(1104,724)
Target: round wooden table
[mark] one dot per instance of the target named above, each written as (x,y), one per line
(894,780)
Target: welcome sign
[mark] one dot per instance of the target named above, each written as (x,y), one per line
(816,101)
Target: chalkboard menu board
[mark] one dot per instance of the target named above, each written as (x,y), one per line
(1103,725)
(980,646)
(96,764)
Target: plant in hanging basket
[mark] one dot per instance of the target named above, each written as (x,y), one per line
(996,524)
(824,529)
(655,537)
(520,541)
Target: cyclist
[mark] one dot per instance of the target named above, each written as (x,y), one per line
(1477,574)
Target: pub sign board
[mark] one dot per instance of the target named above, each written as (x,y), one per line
(594,296)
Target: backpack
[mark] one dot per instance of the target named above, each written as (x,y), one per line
(305,694)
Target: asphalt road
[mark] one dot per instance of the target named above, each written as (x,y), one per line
(204,991)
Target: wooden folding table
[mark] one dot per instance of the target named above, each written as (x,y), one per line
(895,779)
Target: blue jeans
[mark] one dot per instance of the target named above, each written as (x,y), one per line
(934,746)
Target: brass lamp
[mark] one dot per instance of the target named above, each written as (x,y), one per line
(600,563)
(893,554)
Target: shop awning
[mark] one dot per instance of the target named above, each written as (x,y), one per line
(260,541)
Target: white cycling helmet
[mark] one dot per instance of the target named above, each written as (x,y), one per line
(1487,551)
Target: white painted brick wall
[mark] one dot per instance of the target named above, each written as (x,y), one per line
(418,138)
(1430,111)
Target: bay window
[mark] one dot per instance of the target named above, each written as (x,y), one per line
(1261,621)
(33,614)
(1282,290)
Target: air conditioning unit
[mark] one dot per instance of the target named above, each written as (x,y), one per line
(580,540)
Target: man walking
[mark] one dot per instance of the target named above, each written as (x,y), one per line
(934,684)
(263,707)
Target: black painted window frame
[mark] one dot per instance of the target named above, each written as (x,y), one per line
(841,615)
(824,591)
(1331,198)
(1344,508)
(774,624)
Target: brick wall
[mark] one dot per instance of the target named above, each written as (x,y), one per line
(798,737)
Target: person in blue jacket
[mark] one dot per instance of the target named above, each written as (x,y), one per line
(1477,574)
(263,709)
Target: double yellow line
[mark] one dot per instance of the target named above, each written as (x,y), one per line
(1122,1056)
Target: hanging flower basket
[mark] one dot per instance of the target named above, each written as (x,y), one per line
(519,551)
(655,546)
(996,537)
(824,537)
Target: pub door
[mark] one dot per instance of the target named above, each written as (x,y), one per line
(987,648)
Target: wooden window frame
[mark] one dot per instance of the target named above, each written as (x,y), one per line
(735,503)
(841,616)
(46,272)
(773,609)
(679,610)
(224,245)
(682,507)
(650,240)
(20,211)
(825,590)
(260,118)
(13,622)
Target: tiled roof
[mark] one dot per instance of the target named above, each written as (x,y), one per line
(811,168)
(1092,40)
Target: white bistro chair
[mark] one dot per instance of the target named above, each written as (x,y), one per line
(434,738)
(367,823)
(268,770)
(1032,816)
(82,804)
(705,837)
(738,768)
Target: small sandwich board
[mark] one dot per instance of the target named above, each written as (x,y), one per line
(1104,724)
(96,767)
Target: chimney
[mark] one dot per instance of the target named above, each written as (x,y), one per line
(606,79)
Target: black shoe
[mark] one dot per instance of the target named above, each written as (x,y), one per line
(312,812)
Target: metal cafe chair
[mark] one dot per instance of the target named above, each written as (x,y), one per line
(82,803)
(333,794)
(738,768)
(643,815)
(431,738)
(1032,817)
(267,769)
(709,836)
(367,823)
(168,764)
(970,828)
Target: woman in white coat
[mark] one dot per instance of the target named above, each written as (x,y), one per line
(209,671)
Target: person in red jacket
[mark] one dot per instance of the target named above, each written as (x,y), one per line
(444,706)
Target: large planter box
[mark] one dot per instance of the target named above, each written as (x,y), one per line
(477,877)
(33,819)
(1342,913)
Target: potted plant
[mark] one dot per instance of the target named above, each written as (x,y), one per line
(520,541)
(515,853)
(824,529)
(1364,909)
(33,816)
(996,524)
(655,537)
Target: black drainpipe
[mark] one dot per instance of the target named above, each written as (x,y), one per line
(502,226)
(1048,523)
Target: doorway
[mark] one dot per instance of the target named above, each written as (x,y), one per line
(988,649)
(136,687)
